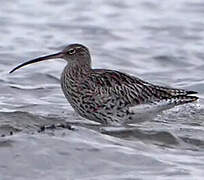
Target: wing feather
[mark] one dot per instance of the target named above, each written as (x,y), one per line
(135,91)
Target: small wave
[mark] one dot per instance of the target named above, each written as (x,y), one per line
(193,141)
(33,87)
(6,143)
(155,137)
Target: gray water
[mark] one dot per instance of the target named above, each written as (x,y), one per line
(159,41)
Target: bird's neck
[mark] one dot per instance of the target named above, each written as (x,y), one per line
(77,71)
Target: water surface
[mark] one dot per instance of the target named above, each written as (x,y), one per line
(159,41)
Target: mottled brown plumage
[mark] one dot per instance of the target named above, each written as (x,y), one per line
(108,96)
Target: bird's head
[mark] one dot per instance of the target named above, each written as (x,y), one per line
(73,54)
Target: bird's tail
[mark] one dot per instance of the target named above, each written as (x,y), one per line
(175,96)
(182,99)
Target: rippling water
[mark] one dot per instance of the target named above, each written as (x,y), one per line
(158,41)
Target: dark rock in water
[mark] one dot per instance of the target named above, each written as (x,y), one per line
(55,126)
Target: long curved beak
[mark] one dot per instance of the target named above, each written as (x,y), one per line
(43,58)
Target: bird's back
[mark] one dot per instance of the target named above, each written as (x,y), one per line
(136,91)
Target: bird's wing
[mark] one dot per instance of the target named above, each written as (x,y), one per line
(135,91)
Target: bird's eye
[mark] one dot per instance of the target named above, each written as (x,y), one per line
(71,51)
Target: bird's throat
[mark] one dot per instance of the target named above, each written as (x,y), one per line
(77,71)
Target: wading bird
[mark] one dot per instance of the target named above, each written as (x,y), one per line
(108,96)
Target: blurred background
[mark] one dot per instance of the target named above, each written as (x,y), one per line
(158,41)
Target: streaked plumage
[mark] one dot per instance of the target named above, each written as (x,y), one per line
(108,96)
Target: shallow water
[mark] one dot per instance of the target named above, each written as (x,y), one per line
(158,41)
